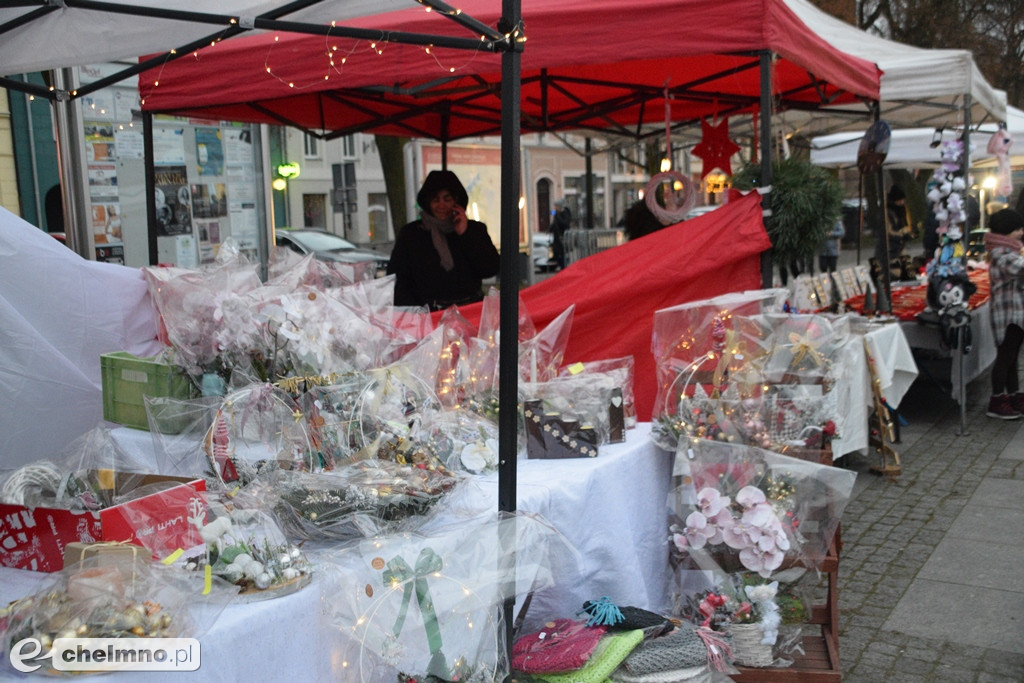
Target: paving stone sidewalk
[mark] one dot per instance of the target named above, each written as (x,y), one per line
(931,573)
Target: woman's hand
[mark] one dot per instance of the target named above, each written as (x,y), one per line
(460,220)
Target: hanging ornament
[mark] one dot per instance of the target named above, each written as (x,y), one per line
(874,147)
(715,148)
(999,146)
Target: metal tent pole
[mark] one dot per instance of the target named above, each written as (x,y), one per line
(70,145)
(766,156)
(961,335)
(508,341)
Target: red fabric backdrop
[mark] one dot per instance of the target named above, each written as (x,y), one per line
(617,291)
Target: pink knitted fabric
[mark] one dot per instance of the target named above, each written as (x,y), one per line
(562,645)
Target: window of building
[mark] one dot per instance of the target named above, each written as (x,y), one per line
(348,147)
(310,146)
(544,205)
(314,210)
(576,197)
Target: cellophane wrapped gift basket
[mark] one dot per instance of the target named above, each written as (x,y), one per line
(109,595)
(738,369)
(749,531)
(427,607)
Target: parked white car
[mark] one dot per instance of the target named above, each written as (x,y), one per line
(541,254)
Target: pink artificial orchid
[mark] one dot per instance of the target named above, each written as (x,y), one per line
(711,502)
(758,534)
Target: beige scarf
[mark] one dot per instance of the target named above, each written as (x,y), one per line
(438,229)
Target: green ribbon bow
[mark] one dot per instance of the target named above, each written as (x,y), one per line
(399,572)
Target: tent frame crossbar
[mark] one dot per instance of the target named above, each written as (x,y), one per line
(488,39)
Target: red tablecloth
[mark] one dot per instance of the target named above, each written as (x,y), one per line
(907,302)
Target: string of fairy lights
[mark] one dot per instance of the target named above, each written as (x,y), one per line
(336,58)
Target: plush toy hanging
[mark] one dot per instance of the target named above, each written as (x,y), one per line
(946,196)
(949,287)
(999,145)
(948,296)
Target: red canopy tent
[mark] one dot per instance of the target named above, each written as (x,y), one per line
(602,65)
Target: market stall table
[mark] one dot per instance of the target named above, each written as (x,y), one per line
(875,350)
(908,302)
(612,509)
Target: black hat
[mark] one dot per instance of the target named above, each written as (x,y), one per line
(896,194)
(1005,221)
(441,180)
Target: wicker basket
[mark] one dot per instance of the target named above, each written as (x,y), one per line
(747,649)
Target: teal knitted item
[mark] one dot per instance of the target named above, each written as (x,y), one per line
(602,612)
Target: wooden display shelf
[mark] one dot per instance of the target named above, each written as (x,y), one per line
(819,662)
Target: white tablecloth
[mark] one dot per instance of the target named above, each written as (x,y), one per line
(612,508)
(980,357)
(895,366)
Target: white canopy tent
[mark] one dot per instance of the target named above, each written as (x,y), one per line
(44,35)
(912,147)
(920,87)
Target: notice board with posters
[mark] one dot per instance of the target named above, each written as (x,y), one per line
(208,181)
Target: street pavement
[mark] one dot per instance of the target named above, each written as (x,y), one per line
(931,572)
(931,586)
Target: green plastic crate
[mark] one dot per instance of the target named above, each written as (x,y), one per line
(127,378)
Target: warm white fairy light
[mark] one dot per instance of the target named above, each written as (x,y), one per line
(460,663)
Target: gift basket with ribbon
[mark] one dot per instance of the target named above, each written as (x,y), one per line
(232,536)
(428,607)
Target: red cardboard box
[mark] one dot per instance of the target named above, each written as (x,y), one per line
(35,538)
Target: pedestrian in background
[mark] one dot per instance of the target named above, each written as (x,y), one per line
(896,224)
(561,222)
(828,252)
(441,259)
(1006,280)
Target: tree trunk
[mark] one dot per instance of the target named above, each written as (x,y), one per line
(390,147)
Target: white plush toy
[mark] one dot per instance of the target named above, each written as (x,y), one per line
(763,596)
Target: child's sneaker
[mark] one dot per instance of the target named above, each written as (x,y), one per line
(1017,401)
(1001,407)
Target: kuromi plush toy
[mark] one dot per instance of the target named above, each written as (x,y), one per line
(948,297)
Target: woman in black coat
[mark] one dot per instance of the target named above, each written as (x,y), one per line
(441,259)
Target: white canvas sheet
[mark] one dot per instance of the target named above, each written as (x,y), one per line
(58,313)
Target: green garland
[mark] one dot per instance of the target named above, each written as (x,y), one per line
(805,201)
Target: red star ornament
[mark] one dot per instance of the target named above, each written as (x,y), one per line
(715,148)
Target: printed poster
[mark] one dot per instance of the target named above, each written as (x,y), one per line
(209,240)
(209,152)
(106,223)
(168,146)
(237,147)
(173,201)
(209,200)
(102,182)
